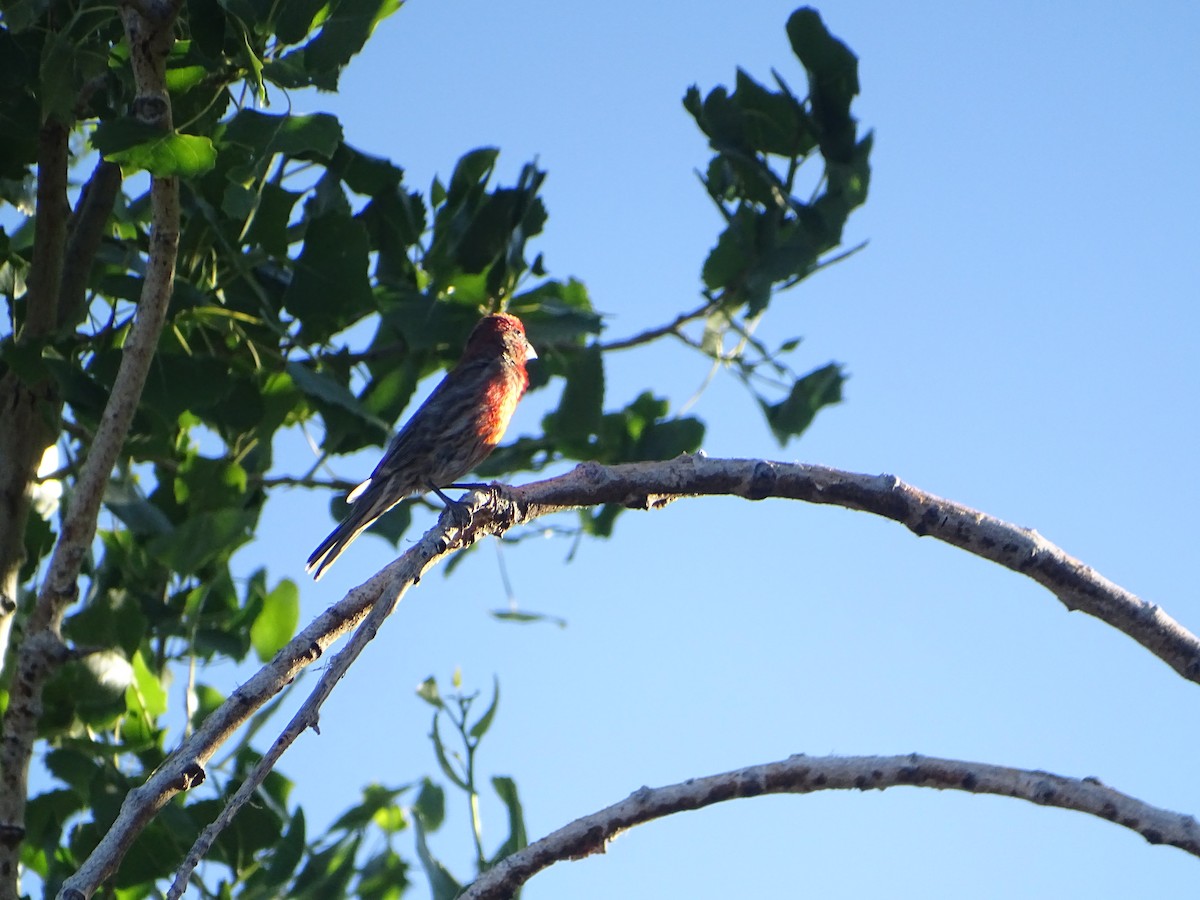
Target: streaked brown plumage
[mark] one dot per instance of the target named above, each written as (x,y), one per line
(452,432)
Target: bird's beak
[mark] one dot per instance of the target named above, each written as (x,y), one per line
(530,353)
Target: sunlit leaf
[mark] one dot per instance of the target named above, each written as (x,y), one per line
(276,624)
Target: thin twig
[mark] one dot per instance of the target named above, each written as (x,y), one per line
(671,328)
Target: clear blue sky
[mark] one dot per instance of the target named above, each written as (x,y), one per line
(1021,337)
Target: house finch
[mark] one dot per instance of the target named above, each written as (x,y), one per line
(453,431)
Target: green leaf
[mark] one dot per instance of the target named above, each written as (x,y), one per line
(306,137)
(442,884)
(46,814)
(832,81)
(74,767)
(21,15)
(207,23)
(581,408)
(391,819)
(39,542)
(207,699)
(330,288)
(480,728)
(517,838)
(365,174)
(775,120)
(430,805)
(471,173)
(428,691)
(147,693)
(345,32)
(206,485)
(201,539)
(527,618)
(733,253)
(184,78)
(269,225)
(829,62)
(444,763)
(557,312)
(177,383)
(382,877)
(285,856)
(395,221)
(57,77)
(328,872)
(375,798)
(791,416)
(320,386)
(665,440)
(142,517)
(135,145)
(90,691)
(151,855)
(721,120)
(295,19)
(389,393)
(276,624)
(111,618)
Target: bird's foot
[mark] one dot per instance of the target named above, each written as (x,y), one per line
(459,511)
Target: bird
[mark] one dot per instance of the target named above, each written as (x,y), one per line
(451,433)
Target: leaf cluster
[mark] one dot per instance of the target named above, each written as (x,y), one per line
(313,285)
(773,238)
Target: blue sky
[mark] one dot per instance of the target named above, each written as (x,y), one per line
(1020,333)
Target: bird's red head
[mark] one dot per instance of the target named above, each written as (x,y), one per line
(497,334)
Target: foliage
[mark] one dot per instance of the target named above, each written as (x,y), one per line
(312,282)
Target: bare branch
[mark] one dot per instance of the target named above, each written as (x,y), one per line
(644,486)
(1023,550)
(805,775)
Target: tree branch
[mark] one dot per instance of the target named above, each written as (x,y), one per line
(87,229)
(334,484)
(644,486)
(184,769)
(1022,550)
(62,265)
(804,775)
(50,233)
(672,327)
(41,650)
(30,409)
(407,572)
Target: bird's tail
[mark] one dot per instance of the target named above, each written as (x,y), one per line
(339,539)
